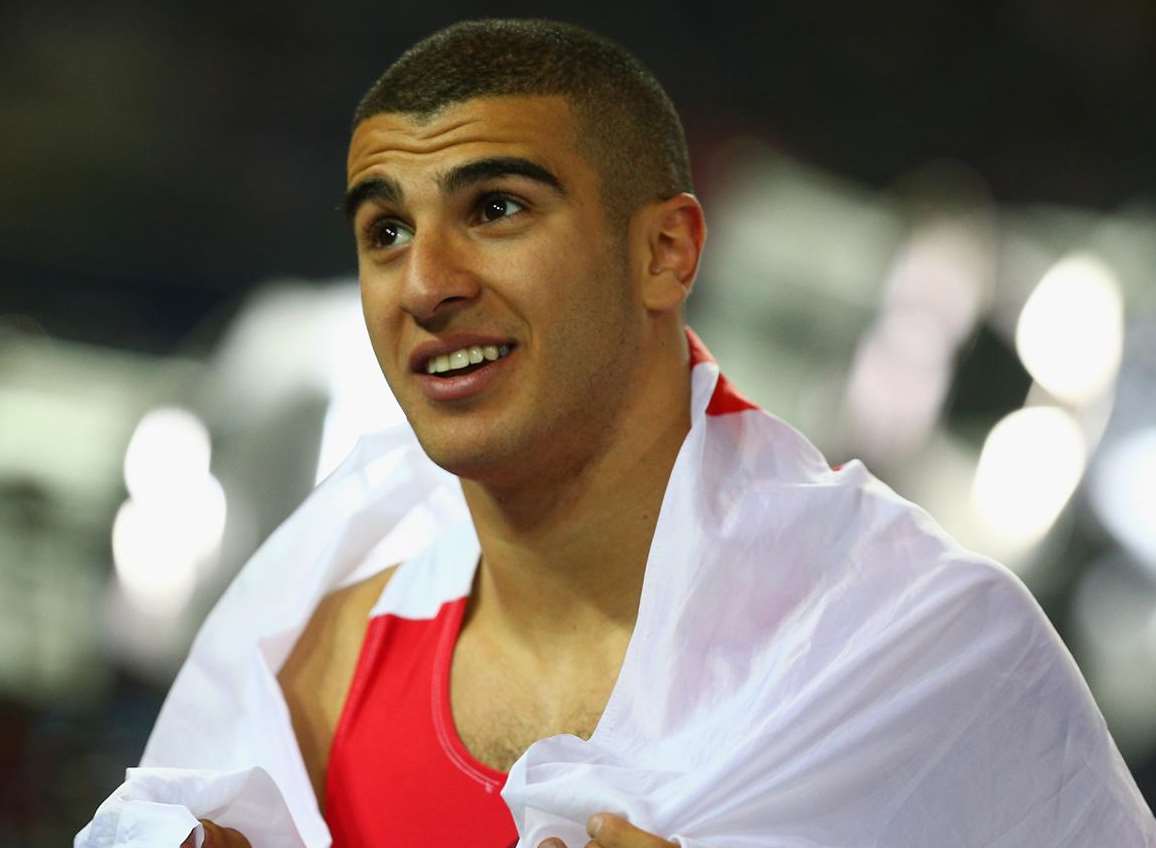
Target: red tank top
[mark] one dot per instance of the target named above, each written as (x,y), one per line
(399,774)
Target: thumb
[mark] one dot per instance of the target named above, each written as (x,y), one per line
(217,837)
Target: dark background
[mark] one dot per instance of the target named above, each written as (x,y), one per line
(159,160)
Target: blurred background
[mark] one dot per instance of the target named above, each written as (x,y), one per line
(933,246)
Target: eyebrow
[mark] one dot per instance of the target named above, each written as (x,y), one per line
(388,190)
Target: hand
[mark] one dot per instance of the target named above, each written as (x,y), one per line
(218,837)
(611,831)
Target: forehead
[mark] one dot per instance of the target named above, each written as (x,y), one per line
(542,129)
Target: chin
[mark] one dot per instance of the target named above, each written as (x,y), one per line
(471,459)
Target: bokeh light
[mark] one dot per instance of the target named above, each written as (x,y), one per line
(1029,467)
(170,528)
(1070,334)
(880,263)
(158,548)
(1123,492)
(170,449)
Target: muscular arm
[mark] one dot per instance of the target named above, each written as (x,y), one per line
(316,677)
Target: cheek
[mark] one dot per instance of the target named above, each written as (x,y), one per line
(587,315)
(380,313)
(561,279)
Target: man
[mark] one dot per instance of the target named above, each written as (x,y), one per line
(663,608)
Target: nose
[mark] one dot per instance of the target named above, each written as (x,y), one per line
(437,276)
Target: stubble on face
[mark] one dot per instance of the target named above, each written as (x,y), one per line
(564,404)
(562,288)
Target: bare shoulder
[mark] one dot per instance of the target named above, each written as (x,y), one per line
(316,677)
(338,613)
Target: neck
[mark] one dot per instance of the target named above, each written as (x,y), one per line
(563,556)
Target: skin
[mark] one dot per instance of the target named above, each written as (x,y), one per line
(218,837)
(564,457)
(610,831)
(606,831)
(564,465)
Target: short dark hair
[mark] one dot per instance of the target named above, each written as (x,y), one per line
(628,127)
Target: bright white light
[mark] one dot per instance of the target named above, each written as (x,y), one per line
(1031,463)
(168,452)
(1070,334)
(360,399)
(159,545)
(1123,490)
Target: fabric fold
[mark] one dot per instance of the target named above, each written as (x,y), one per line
(815,663)
(157,807)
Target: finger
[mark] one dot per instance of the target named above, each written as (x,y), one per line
(222,837)
(552,842)
(611,831)
(191,841)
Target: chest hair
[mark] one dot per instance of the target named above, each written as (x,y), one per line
(498,740)
(498,713)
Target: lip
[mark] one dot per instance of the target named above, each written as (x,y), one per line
(439,388)
(436,347)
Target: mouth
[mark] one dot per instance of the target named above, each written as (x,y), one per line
(465,360)
(465,373)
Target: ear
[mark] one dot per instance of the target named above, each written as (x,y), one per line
(676,232)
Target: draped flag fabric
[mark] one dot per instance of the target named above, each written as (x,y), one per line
(815,664)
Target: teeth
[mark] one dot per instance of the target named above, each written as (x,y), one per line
(465,357)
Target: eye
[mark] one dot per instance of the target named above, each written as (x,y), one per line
(383,233)
(494,207)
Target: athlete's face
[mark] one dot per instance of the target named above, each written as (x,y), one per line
(483,231)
